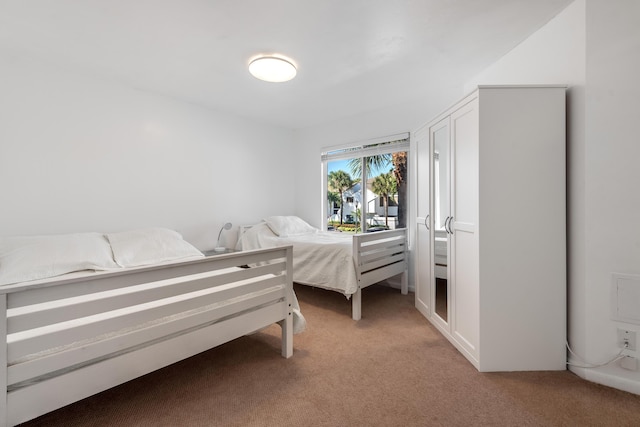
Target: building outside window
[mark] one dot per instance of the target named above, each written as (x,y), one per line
(379,204)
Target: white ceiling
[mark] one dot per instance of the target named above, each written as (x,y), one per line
(352,55)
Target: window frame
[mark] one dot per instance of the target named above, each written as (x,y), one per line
(376,146)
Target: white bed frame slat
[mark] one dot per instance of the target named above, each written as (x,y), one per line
(153,329)
(83,353)
(3,359)
(39,291)
(87,327)
(386,246)
(385,238)
(29,402)
(43,314)
(390,260)
(378,256)
(375,276)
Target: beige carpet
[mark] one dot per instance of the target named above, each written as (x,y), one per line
(392,368)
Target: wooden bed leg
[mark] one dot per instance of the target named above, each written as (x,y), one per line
(356,305)
(404,283)
(3,362)
(287,335)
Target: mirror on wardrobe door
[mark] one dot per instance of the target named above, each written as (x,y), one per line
(441,210)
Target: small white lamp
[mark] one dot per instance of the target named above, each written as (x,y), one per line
(218,248)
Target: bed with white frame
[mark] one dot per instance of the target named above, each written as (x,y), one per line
(72,336)
(342,262)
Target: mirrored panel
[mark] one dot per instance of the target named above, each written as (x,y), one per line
(441,216)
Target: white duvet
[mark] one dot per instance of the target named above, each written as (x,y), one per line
(322,259)
(32,260)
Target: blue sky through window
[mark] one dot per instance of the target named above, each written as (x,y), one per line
(335,165)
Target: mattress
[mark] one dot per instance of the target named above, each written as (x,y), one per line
(321,259)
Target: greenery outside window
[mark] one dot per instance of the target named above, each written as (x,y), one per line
(366,185)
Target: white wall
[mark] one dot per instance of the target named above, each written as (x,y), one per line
(612,174)
(79,153)
(593,47)
(556,54)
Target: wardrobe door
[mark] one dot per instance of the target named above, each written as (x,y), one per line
(440,294)
(423,223)
(463,227)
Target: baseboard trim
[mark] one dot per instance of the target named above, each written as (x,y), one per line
(608,380)
(396,283)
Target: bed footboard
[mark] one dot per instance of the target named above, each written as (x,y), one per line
(378,256)
(68,339)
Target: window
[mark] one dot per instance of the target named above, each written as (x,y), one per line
(391,201)
(381,203)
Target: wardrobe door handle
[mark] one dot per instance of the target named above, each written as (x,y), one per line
(426,221)
(445,224)
(451,225)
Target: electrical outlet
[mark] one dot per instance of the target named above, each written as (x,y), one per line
(628,338)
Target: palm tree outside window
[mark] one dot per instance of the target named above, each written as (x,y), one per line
(364,163)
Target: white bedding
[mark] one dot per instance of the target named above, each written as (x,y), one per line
(33,260)
(106,328)
(26,258)
(322,259)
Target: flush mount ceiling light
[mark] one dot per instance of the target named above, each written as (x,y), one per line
(272,69)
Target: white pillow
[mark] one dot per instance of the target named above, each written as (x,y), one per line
(24,258)
(285,226)
(149,246)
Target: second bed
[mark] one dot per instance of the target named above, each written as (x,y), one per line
(342,262)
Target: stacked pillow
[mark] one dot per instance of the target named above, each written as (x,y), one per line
(25,258)
(286,226)
(149,246)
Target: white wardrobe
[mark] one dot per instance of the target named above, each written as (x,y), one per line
(490,252)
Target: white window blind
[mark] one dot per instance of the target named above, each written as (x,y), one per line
(372,147)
